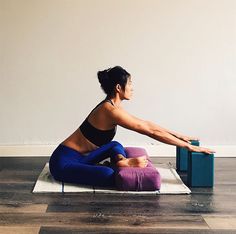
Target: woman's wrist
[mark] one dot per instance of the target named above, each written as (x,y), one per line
(183,144)
(190,147)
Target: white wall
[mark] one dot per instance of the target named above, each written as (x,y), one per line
(180,53)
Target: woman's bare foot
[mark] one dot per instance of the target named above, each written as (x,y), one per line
(133,162)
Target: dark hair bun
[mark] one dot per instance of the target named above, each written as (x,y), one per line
(103,76)
(110,77)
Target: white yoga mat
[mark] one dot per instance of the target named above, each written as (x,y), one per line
(171,184)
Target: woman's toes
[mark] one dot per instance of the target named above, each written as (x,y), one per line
(133,162)
(142,157)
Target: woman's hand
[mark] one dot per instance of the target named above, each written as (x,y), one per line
(194,148)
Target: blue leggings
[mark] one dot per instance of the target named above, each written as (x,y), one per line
(69,165)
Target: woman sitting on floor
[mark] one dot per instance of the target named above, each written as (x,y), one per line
(75,159)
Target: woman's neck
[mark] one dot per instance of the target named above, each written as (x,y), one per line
(115,100)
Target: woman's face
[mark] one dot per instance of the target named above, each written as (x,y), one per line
(128,93)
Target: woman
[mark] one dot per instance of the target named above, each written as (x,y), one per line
(75,159)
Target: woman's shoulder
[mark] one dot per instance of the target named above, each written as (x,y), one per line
(107,105)
(102,109)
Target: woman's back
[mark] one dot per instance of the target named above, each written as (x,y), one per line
(95,130)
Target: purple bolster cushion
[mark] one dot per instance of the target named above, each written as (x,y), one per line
(136,178)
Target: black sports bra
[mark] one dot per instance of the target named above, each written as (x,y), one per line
(97,136)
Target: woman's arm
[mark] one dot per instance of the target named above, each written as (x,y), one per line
(164,129)
(124,119)
(178,135)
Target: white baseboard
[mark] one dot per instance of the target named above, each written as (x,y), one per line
(161,150)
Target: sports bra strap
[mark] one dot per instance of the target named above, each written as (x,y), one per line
(105,100)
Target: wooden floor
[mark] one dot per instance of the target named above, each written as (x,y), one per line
(205,211)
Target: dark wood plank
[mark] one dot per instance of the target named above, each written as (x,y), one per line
(23,208)
(96,220)
(24,163)
(150,208)
(25,187)
(195,203)
(218,189)
(18,176)
(135,230)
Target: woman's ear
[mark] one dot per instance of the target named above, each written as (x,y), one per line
(118,88)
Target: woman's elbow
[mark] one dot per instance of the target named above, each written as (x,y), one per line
(146,129)
(153,132)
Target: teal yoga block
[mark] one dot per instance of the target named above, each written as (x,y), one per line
(200,171)
(182,157)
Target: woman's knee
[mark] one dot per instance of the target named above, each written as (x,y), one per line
(117,148)
(116,143)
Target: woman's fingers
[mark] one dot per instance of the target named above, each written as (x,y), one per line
(206,150)
(201,149)
(209,151)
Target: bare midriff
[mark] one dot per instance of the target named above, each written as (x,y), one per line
(78,142)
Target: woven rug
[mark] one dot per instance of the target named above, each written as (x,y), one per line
(171,184)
